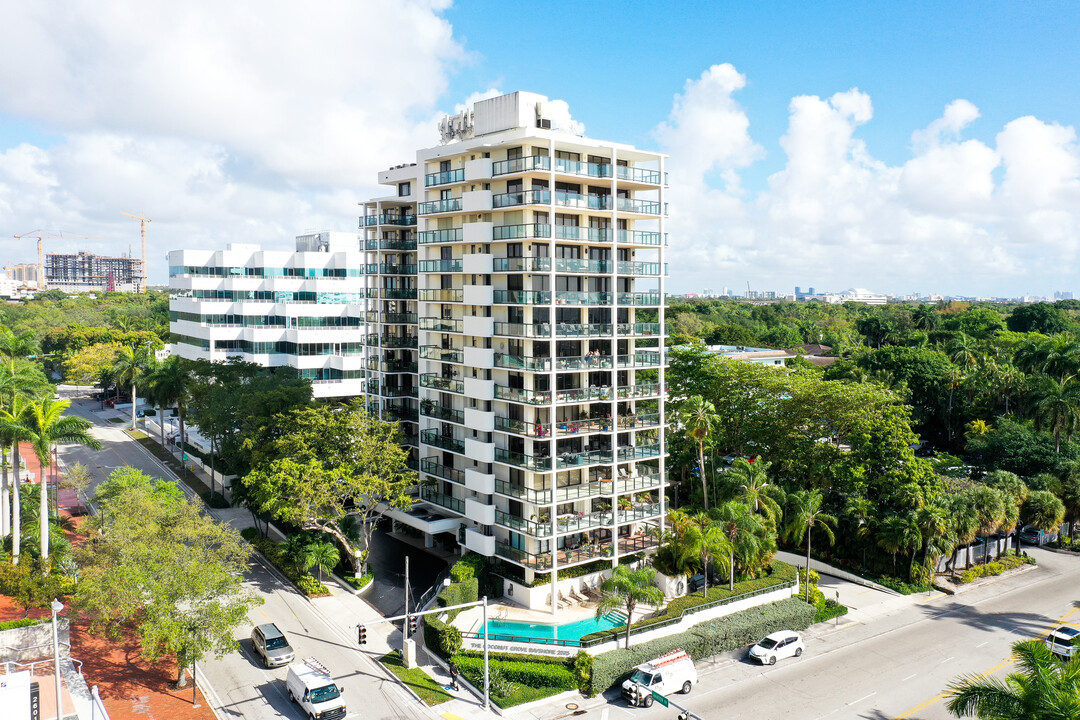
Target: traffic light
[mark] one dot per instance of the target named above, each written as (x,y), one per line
(412,624)
(684,715)
(362,632)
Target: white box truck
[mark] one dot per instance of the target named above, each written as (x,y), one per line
(667,674)
(309,684)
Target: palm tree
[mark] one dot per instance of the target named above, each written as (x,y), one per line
(861,514)
(963,351)
(323,555)
(698,417)
(132,365)
(988,506)
(626,589)
(171,382)
(1046,688)
(899,533)
(743,530)
(754,488)
(1057,406)
(47,426)
(13,429)
(1043,510)
(710,542)
(965,524)
(806,516)
(933,523)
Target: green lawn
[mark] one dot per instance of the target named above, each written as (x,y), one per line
(417,680)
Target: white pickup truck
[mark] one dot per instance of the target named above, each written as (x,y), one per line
(309,684)
(667,674)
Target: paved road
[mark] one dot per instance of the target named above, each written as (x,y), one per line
(896,666)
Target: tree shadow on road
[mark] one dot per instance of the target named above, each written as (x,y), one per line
(1024,624)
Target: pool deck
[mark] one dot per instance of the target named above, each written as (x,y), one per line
(471,620)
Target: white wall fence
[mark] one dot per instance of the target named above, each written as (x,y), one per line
(153,429)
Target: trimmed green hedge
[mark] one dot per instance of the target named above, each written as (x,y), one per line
(726,633)
(531,674)
(780,573)
(12,624)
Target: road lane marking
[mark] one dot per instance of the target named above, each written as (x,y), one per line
(932,597)
(951,657)
(452,716)
(909,677)
(863,698)
(982,643)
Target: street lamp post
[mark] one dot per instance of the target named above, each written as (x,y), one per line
(487,676)
(57,606)
(194,677)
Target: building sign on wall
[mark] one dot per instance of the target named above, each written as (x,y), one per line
(19,697)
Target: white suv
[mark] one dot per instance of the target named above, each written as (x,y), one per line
(785,643)
(1062,641)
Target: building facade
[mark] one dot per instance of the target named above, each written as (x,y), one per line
(86,272)
(518,277)
(306,308)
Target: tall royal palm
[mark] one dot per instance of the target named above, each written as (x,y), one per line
(16,379)
(131,368)
(806,516)
(754,488)
(1046,688)
(743,530)
(698,416)
(14,430)
(171,381)
(711,543)
(47,426)
(1057,406)
(625,590)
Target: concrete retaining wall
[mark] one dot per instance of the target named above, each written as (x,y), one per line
(33,642)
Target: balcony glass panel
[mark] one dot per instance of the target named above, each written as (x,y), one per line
(430,409)
(583,330)
(585,202)
(401,410)
(639,512)
(439,206)
(397,341)
(577,459)
(589,362)
(536,562)
(641,237)
(388,219)
(522,362)
(522,427)
(522,264)
(529,527)
(567,493)
(527,197)
(434,352)
(433,380)
(398,293)
(440,266)
(440,324)
(539,330)
(583,521)
(522,164)
(426,237)
(639,299)
(396,392)
(536,497)
(442,178)
(515,232)
(644,207)
(396,244)
(398,318)
(640,175)
(582,298)
(432,466)
(642,329)
(396,366)
(641,358)
(522,297)
(447,501)
(638,268)
(520,395)
(441,295)
(385,269)
(634,484)
(572,265)
(529,462)
(639,452)
(433,437)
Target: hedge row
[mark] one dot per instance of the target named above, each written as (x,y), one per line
(1007,562)
(12,624)
(458,593)
(531,674)
(780,574)
(726,633)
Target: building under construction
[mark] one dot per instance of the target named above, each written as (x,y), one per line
(85,272)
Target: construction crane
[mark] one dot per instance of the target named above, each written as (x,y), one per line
(142,228)
(41,251)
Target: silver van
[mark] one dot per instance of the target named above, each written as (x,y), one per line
(270,644)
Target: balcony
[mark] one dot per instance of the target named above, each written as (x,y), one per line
(529,495)
(522,427)
(441,295)
(522,297)
(638,542)
(641,358)
(640,299)
(388,219)
(434,438)
(522,362)
(395,366)
(434,352)
(411,440)
(428,237)
(639,329)
(583,330)
(578,459)
(521,264)
(526,197)
(521,460)
(571,265)
(641,207)
(640,452)
(522,330)
(638,512)
(433,380)
(431,409)
(637,175)
(582,298)
(399,244)
(569,493)
(432,466)
(399,392)
(583,202)
(587,553)
(397,341)
(448,325)
(518,232)
(440,266)
(521,395)
(576,167)
(529,527)
(439,206)
(641,237)
(398,293)
(444,178)
(442,500)
(638,268)
(398,318)
(404,410)
(583,521)
(521,165)
(637,483)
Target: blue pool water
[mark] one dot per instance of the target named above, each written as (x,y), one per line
(540,632)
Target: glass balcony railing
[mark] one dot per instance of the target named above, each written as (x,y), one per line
(446,442)
(396,366)
(583,329)
(576,167)
(526,197)
(582,298)
(442,178)
(522,427)
(521,297)
(640,511)
(398,293)
(642,207)
(520,165)
(522,362)
(434,352)
(641,358)
(439,206)
(530,560)
(432,466)
(517,232)
(641,329)
(572,395)
(427,237)
(437,382)
(577,459)
(639,175)
(587,362)
(529,495)
(398,318)
(583,521)
(584,202)
(440,324)
(440,266)
(385,269)
(388,219)
(449,502)
(521,460)
(641,237)
(521,395)
(401,410)
(574,265)
(524,330)
(639,299)
(442,295)
(638,268)
(637,483)
(639,452)
(521,264)
(392,341)
(569,493)
(442,412)
(529,527)
(397,392)
(399,244)
(412,440)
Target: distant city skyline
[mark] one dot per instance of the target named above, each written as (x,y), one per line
(927,147)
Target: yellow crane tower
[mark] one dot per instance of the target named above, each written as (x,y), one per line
(41,252)
(142,228)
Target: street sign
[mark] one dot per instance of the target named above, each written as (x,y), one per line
(660,698)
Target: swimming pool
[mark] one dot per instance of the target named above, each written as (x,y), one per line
(542,632)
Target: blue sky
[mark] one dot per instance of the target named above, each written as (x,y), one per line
(810,142)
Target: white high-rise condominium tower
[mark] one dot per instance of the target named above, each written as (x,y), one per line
(518,292)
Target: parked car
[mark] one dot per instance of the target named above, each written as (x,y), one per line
(1035,536)
(270,644)
(667,674)
(1061,641)
(782,644)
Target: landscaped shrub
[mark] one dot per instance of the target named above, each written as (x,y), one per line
(449,641)
(726,633)
(828,610)
(531,674)
(904,588)
(310,586)
(471,565)
(358,582)
(250,534)
(583,663)
(12,624)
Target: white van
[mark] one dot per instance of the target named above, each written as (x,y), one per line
(674,672)
(309,684)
